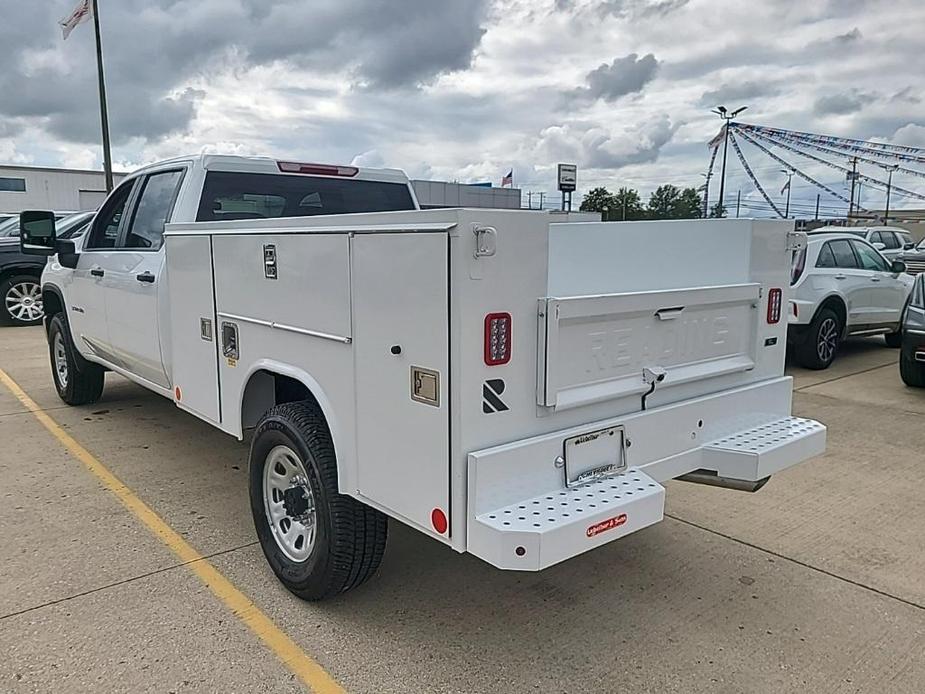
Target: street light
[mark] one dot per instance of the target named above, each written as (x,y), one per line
(789,174)
(889,168)
(706,192)
(727,117)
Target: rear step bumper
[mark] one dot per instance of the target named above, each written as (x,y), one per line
(545,529)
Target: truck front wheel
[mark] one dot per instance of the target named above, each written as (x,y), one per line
(318,542)
(78,381)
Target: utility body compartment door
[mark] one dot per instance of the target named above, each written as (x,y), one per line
(596,347)
(193,333)
(401,352)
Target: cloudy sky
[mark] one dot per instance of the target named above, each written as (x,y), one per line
(465,89)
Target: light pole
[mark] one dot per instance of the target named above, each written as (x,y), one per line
(889,168)
(727,117)
(604,210)
(706,192)
(789,174)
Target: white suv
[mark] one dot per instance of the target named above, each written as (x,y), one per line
(841,285)
(890,241)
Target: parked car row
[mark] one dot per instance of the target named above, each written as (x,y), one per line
(19,273)
(914,258)
(890,241)
(841,286)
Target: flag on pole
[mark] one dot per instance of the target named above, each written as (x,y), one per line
(508,179)
(719,138)
(786,186)
(80,15)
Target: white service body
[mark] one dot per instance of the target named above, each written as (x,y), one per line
(382,317)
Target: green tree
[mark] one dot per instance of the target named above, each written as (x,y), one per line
(718,210)
(596,199)
(663,202)
(689,205)
(627,205)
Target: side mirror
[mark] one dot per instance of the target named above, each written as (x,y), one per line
(67,253)
(879,246)
(897,267)
(37,232)
(908,246)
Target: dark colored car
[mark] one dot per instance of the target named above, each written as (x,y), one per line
(20,274)
(912,356)
(914,258)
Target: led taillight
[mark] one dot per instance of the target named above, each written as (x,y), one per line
(797,265)
(497,338)
(774,301)
(317,169)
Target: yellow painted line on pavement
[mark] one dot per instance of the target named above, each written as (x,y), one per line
(299,662)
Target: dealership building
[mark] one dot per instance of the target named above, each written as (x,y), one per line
(42,188)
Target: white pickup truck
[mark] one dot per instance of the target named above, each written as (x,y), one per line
(511,385)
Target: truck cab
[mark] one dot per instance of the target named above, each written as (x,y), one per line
(116,294)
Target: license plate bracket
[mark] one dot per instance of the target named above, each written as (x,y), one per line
(594,455)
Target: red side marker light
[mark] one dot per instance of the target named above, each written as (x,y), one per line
(176,393)
(438,519)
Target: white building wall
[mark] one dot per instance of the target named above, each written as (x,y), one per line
(53,189)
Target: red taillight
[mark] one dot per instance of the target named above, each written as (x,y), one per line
(497,338)
(774,301)
(317,169)
(797,264)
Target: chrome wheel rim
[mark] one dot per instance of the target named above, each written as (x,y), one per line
(828,339)
(24,301)
(60,359)
(289,503)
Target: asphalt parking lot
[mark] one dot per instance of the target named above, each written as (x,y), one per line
(817,582)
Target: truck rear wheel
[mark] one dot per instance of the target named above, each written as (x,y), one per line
(318,542)
(78,381)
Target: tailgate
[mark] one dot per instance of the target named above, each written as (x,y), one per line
(594,348)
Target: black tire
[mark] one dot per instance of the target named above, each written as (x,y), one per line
(21,298)
(82,383)
(349,536)
(825,328)
(911,371)
(894,340)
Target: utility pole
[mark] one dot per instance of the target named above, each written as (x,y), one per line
(817,208)
(604,211)
(530,199)
(727,118)
(104,115)
(624,208)
(738,203)
(889,168)
(541,194)
(853,176)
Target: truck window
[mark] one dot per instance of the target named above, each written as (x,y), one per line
(105,229)
(240,195)
(153,209)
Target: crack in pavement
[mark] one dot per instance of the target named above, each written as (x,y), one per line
(799,562)
(125,581)
(839,378)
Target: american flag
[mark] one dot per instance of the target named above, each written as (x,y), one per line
(80,14)
(508,179)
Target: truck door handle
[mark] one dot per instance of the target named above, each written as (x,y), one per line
(669,313)
(874,279)
(145,277)
(97,272)
(840,277)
